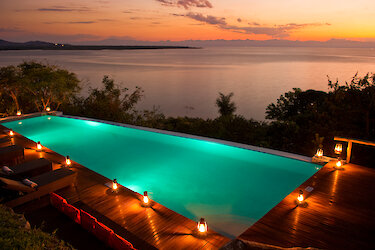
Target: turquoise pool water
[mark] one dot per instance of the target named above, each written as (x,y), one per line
(231,187)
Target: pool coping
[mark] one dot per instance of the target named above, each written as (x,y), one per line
(166,132)
(196,137)
(179,134)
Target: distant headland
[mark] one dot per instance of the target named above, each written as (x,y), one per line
(40,45)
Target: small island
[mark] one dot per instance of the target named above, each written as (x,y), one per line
(40,45)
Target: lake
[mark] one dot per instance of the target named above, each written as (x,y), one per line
(187,81)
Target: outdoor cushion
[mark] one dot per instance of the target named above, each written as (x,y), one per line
(119,243)
(29,183)
(11,155)
(72,212)
(102,232)
(87,221)
(6,170)
(31,168)
(15,185)
(57,201)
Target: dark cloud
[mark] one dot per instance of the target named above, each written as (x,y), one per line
(207,19)
(106,20)
(64,9)
(276,31)
(72,22)
(187,4)
(82,22)
(3,30)
(175,14)
(144,18)
(254,24)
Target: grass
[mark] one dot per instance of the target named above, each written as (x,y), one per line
(16,233)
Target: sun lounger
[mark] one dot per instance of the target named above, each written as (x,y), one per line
(57,201)
(11,155)
(119,243)
(5,139)
(47,183)
(102,232)
(28,169)
(88,221)
(72,212)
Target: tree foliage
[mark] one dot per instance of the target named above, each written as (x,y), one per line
(33,86)
(110,102)
(226,106)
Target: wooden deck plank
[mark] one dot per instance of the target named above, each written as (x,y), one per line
(339,213)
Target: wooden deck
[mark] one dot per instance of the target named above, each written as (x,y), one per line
(157,226)
(339,213)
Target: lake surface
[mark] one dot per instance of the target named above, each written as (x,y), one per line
(186,82)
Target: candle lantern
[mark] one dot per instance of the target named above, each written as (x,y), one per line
(145,198)
(338,148)
(38,146)
(319,152)
(202,226)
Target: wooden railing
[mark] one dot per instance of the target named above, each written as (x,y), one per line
(350,143)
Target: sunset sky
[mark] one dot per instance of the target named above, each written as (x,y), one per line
(176,20)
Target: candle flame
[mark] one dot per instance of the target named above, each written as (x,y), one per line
(202,226)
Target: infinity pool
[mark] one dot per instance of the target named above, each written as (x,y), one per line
(231,187)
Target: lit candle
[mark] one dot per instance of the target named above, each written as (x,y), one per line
(114,185)
(19,112)
(38,146)
(338,148)
(319,152)
(339,163)
(202,226)
(68,161)
(48,109)
(11,133)
(300,197)
(145,198)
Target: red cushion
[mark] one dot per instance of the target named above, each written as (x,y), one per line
(119,243)
(72,212)
(87,221)
(57,201)
(102,232)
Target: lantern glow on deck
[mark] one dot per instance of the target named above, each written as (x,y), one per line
(319,152)
(114,185)
(146,200)
(38,146)
(300,197)
(68,162)
(338,148)
(339,163)
(202,226)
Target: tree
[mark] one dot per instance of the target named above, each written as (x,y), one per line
(48,84)
(11,85)
(111,102)
(225,105)
(354,105)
